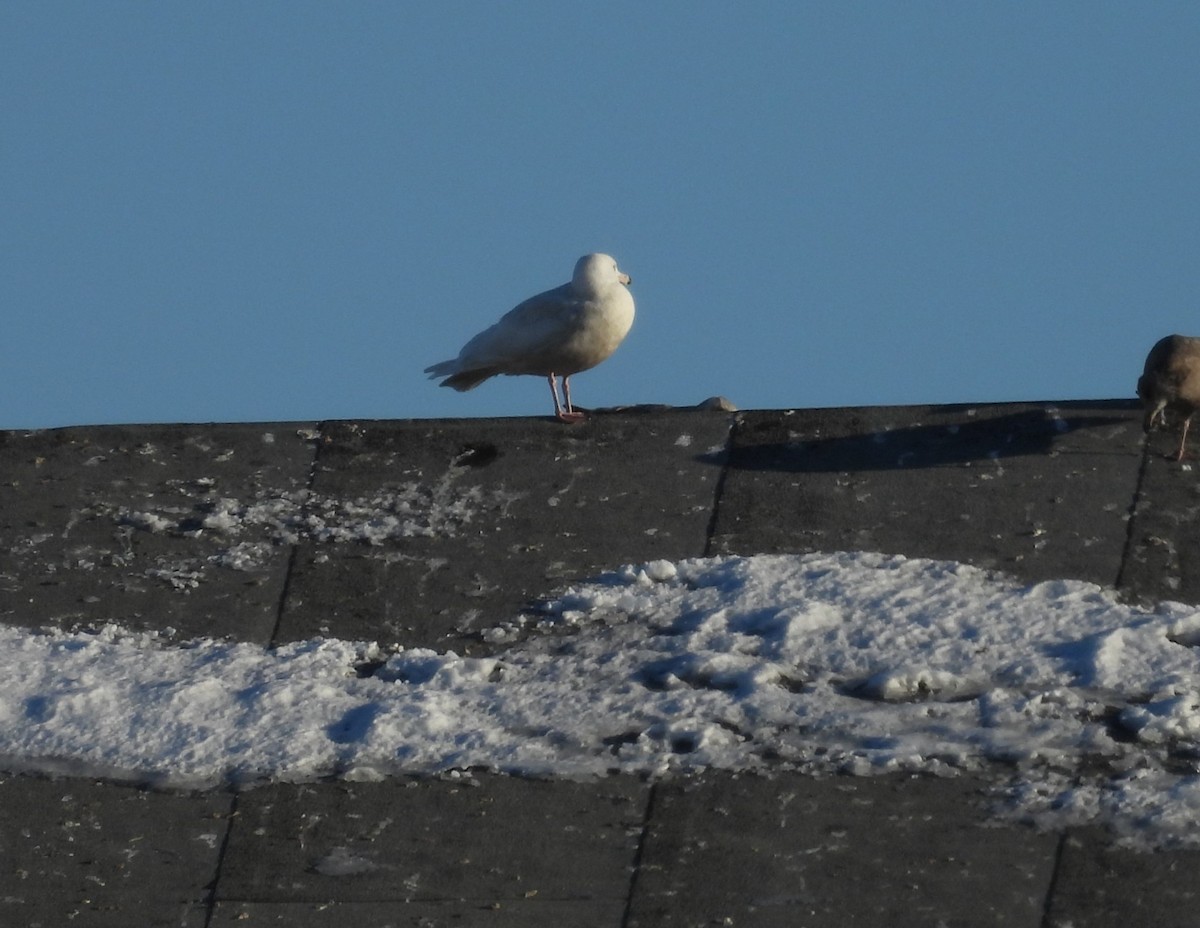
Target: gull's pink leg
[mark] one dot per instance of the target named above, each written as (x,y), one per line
(569,415)
(558,410)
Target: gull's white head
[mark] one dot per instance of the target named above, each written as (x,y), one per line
(597,272)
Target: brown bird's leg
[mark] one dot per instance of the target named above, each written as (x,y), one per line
(1183,438)
(570,415)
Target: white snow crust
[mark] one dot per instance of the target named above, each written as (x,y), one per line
(856,663)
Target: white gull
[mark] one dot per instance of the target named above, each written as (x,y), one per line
(555,334)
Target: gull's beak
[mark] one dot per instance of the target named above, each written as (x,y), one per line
(624,278)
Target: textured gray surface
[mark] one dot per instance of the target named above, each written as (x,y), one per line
(1098,885)
(109,524)
(1033,490)
(74,852)
(544,504)
(505,840)
(841,851)
(75,547)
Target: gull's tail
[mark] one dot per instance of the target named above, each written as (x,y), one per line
(458,379)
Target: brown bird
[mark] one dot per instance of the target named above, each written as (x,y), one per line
(555,334)
(1171,381)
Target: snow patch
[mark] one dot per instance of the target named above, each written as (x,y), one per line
(858,663)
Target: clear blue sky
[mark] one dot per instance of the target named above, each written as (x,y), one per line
(285,210)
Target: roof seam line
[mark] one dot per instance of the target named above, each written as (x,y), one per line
(210,903)
(273,641)
(1127,550)
(639,854)
(719,489)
